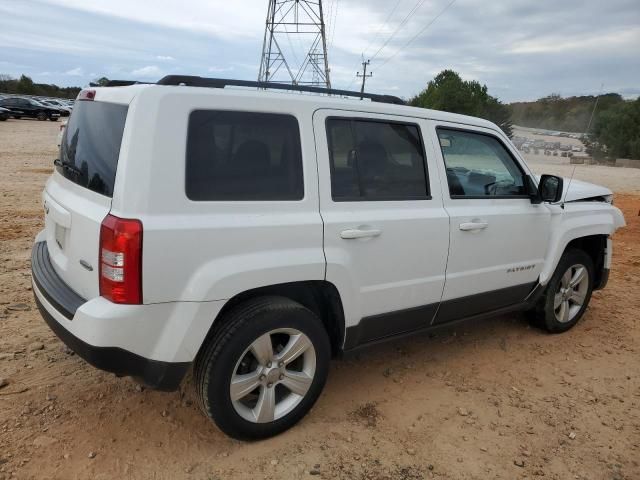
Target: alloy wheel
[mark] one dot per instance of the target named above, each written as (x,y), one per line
(273,375)
(571,293)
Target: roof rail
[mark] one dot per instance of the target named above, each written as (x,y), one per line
(194,81)
(119,83)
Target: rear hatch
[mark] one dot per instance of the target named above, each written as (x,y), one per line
(78,195)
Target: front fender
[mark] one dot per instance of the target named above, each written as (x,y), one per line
(577,220)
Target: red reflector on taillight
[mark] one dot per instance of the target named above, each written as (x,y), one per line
(86,95)
(120,260)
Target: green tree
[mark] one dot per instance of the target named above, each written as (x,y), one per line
(26,86)
(618,129)
(450,93)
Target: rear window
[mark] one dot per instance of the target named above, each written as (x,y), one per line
(236,156)
(91,145)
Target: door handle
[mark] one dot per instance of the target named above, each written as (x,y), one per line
(473,226)
(359,233)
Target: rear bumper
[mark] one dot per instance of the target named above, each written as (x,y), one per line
(153,373)
(61,309)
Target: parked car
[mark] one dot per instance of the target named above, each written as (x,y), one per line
(253,235)
(4,114)
(28,107)
(65,111)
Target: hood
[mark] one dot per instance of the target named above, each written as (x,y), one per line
(579,190)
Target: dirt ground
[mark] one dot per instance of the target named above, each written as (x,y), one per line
(497,399)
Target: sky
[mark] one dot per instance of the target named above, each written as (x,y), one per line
(521,49)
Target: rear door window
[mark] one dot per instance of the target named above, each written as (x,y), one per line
(239,156)
(376,160)
(91,145)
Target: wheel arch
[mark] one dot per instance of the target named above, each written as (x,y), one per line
(319,296)
(581,226)
(594,245)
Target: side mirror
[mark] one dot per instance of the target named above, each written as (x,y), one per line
(550,188)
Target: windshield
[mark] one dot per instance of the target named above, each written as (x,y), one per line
(91,145)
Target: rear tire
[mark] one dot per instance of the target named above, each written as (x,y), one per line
(567,295)
(53,119)
(264,369)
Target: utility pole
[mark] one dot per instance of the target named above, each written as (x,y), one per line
(364,75)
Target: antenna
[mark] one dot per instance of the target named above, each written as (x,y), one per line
(568,187)
(594,109)
(303,19)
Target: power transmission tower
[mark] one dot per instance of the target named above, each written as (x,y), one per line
(302,20)
(364,75)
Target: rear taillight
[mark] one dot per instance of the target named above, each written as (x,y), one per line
(121,260)
(86,95)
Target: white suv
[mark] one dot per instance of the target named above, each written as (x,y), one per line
(255,234)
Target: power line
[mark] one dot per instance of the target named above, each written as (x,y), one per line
(388,59)
(384,24)
(335,21)
(329,23)
(399,27)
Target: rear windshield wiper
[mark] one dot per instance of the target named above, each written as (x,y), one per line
(67,166)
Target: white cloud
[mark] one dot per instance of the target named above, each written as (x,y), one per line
(148,71)
(219,69)
(166,58)
(224,19)
(75,72)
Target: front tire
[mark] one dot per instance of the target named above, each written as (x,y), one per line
(264,369)
(42,116)
(568,293)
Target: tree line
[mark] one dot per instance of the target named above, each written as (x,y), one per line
(26,86)
(611,128)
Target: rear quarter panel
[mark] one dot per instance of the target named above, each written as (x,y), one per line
(210,250)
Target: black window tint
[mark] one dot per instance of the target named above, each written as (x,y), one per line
(479,165)
(243,156)
(91,145)
(376,160)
